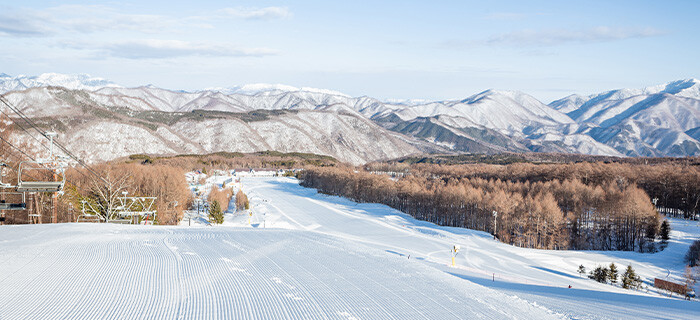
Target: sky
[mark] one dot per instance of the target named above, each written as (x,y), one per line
(432,50)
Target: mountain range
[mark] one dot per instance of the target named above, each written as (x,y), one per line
(101,120)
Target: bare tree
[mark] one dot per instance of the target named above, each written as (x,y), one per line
(106,192)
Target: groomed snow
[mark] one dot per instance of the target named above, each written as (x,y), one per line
(86,271)
(306,255)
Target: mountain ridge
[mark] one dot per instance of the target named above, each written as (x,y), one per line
(661,120)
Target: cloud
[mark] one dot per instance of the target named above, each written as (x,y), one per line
(161,49)
(266,13)
(17,24)
(78,19)
(555,37)
(562,36)
(96,18)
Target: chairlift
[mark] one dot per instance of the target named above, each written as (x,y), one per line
(46,184)
(86,216)
(4,203)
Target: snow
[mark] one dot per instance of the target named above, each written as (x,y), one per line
(538,276)
(69,81)
(520,118)
(314,257)
(267,89)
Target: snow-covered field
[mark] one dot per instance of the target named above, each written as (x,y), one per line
(306,255)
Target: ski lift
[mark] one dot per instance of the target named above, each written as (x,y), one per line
(86,215)
(21,205)
(4,204)
(52,179)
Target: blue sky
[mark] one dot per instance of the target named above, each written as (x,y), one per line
(383,49)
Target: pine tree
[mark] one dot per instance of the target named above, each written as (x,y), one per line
(665,232)
(581,270)
(630,279)
(600,274)
(612,273)
(215,214)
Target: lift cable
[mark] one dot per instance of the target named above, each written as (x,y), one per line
(43,133)
(36,139)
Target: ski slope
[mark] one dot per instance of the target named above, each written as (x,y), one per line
(539,276)
(102,271)
(310,256)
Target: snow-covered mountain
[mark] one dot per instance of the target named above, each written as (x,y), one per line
(663,120)
(99,126)
(491,121)
(75,82)
(266,88)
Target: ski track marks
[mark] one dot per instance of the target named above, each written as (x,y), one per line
(102,271)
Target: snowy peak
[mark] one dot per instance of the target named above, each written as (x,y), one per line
(569,103)
(689,88)
(652,121)
(686,88)
(73,82)
(266,88)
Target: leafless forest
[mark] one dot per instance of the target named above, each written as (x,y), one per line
(583,206)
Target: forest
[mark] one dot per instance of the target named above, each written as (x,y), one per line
(673,182)
(580,206)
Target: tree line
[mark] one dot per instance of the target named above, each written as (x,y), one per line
(551,213)
(672,182)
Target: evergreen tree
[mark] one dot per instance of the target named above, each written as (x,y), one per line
(581,270)
(215,214)
(599,274)
(665,232)
(612,273)
(630,279)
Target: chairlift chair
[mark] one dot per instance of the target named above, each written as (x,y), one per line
(4,204)
(56,185)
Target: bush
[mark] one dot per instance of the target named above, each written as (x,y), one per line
(692,258)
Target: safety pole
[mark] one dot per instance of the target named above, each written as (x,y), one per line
(454,251)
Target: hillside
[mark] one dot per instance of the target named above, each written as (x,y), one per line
(663,120)
(99,129)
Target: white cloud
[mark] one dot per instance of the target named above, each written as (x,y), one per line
(266,13)
(63,19)
(562,36)
(21,24)
(555,37)
(159,49)
(78,19)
